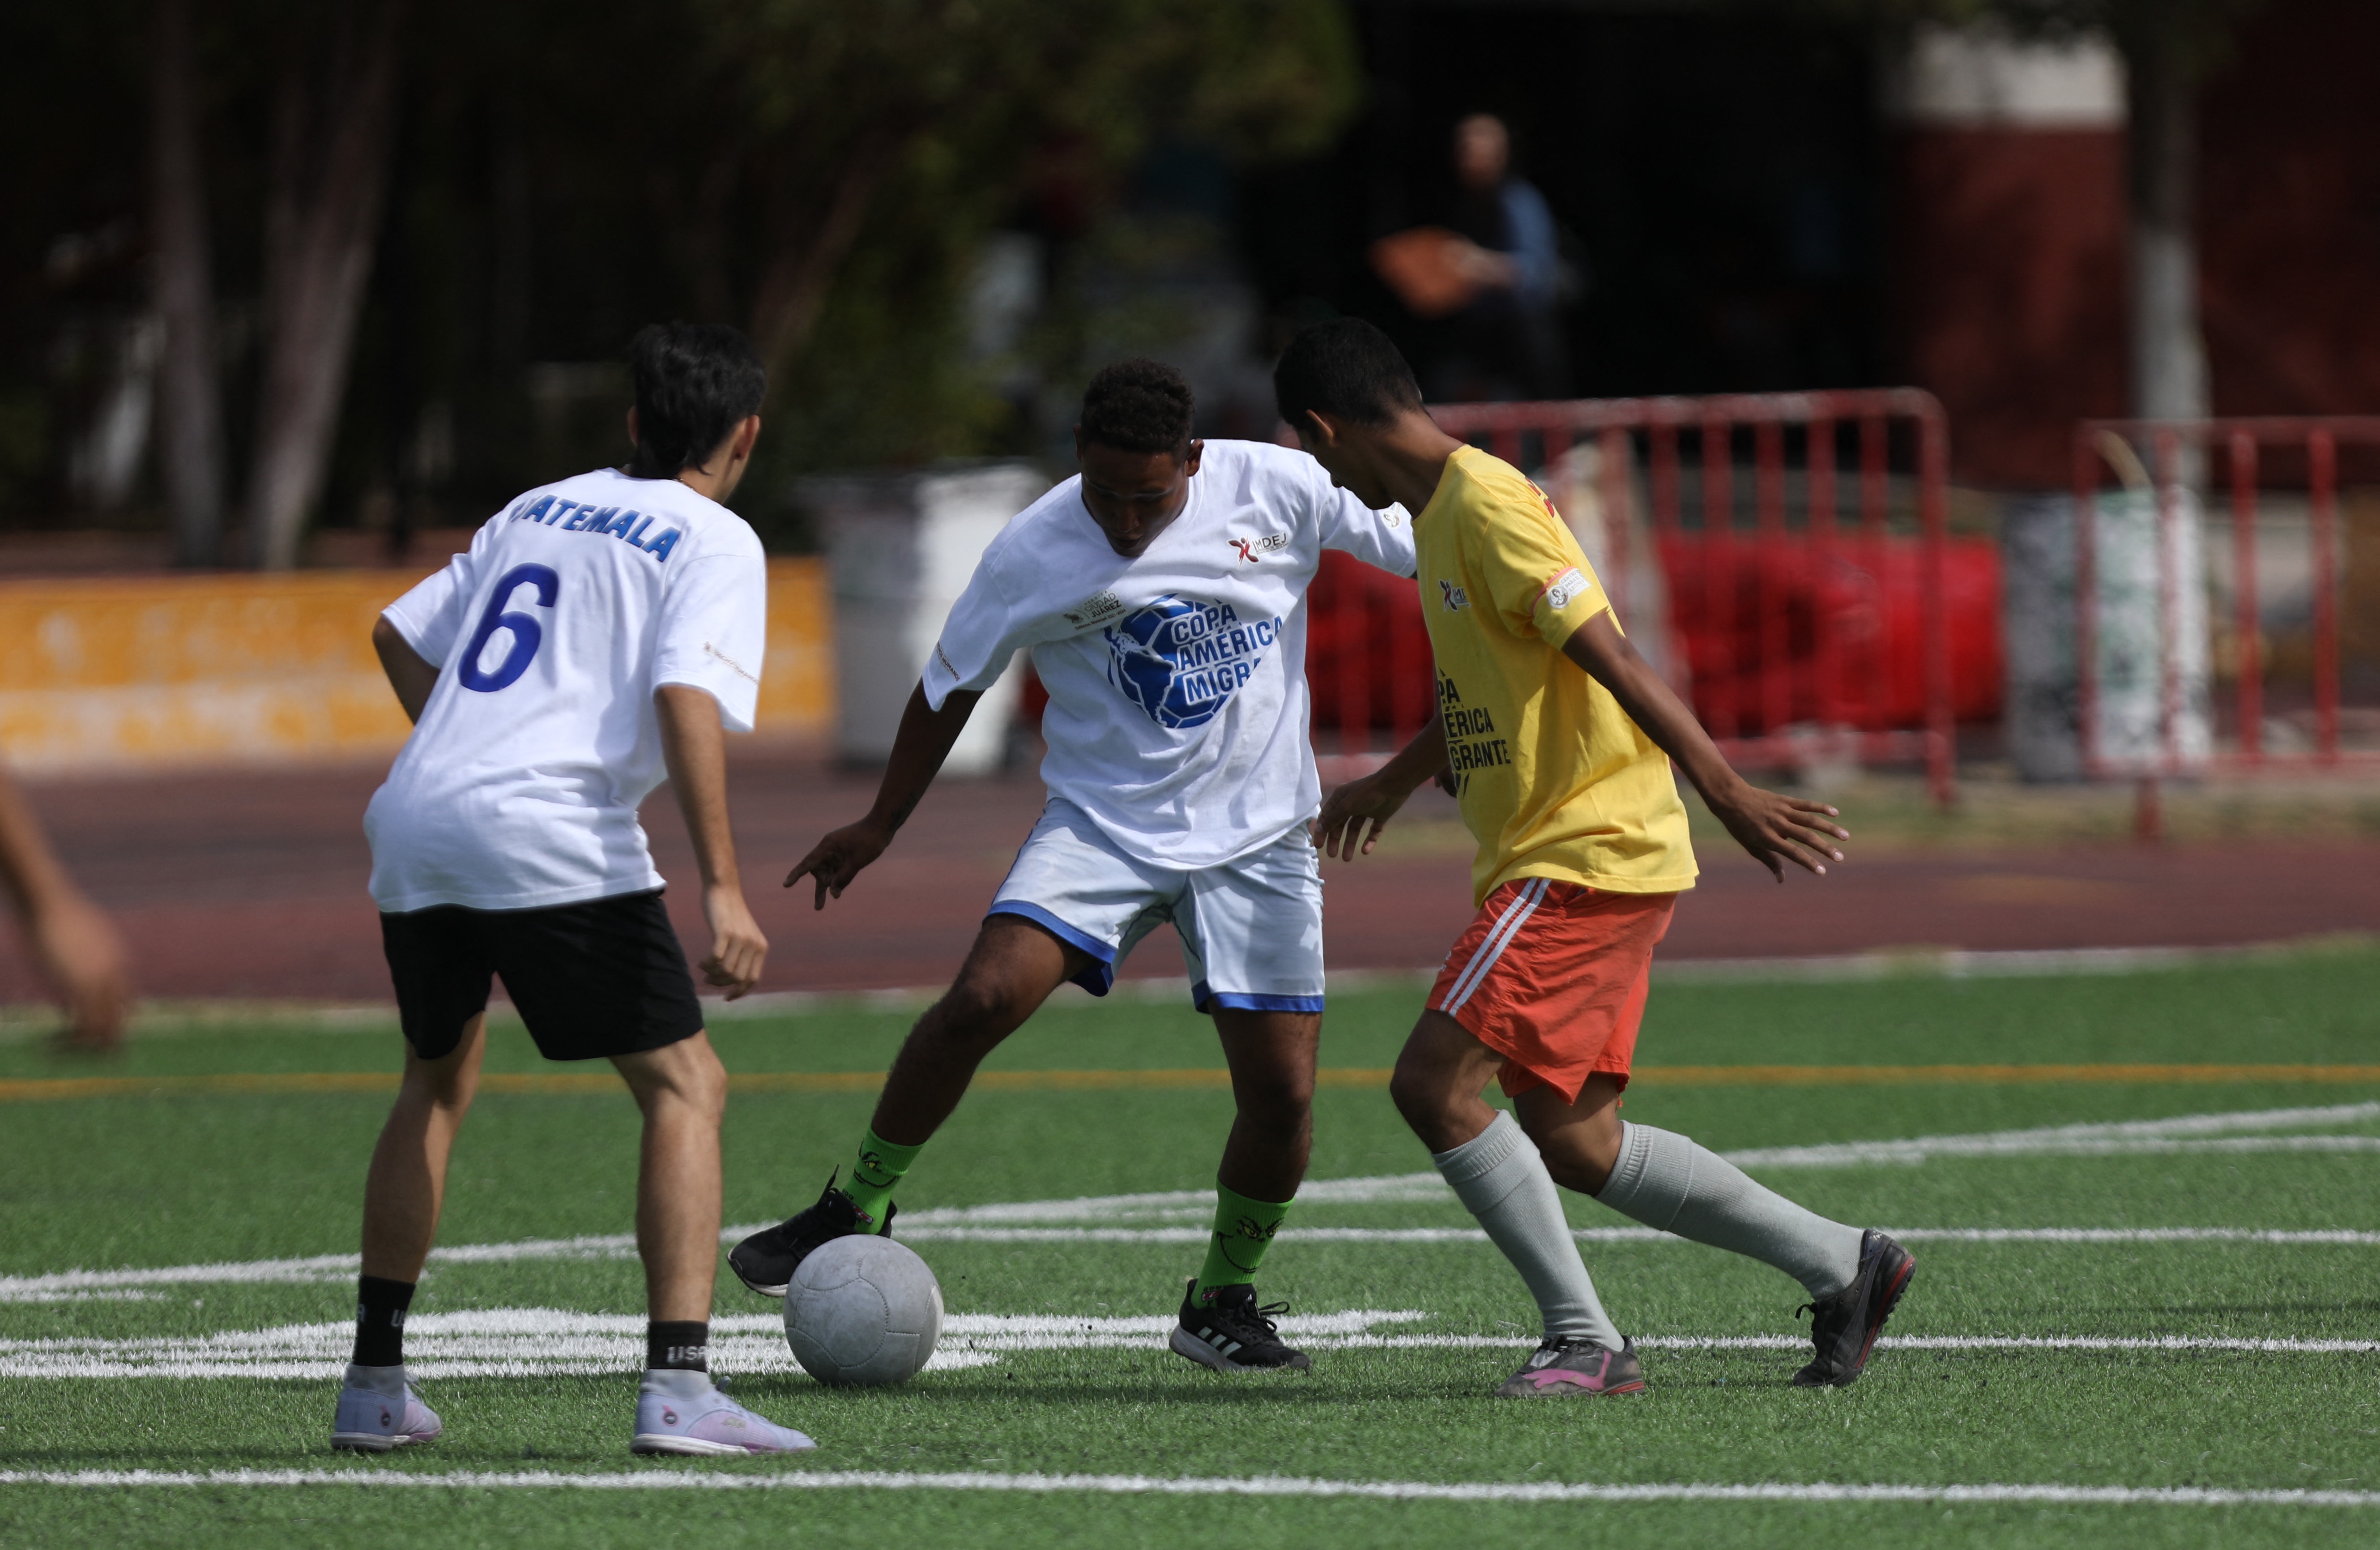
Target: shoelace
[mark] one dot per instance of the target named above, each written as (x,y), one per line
(1252,1314)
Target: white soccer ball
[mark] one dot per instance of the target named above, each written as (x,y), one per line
(863,1311)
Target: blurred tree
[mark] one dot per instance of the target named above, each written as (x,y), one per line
(947,106)
(190,451)
(333,110)
(824,172)
(2167,46)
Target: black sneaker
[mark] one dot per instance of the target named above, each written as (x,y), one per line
(1844,1327)
(1231,1333)
(765,1261)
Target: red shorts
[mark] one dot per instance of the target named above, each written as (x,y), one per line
(1552,977)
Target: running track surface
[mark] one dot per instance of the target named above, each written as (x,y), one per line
(252,885)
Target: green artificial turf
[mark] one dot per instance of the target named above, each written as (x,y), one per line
(182,1177)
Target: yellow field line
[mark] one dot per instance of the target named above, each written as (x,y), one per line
(48,1089)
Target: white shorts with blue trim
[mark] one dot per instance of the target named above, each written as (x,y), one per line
(1251,929)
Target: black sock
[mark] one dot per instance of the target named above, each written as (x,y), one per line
(683,1345)
(380,1321)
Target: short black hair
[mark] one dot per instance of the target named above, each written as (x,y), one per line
(1139,406)
(695,382)
(1347,368)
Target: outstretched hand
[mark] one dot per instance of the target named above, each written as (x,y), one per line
(77,947)
(1776,829)
(1342,825)
(840,857)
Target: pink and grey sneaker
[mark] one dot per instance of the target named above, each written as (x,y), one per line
(379,1411)
(1559,1368)
(682,1412)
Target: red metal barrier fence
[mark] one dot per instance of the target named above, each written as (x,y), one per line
(1814,625)
(2242,463)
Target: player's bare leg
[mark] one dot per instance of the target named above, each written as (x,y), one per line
(1272,1057)
(1437,1083)
(406,1186)
(378,1409)
(1014,967)
(682,1089)
(1495,1170)
(1664,1180)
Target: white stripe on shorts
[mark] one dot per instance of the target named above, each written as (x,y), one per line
(1508,925)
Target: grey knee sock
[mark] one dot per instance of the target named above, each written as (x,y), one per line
(1666,1182)
(1502,1181)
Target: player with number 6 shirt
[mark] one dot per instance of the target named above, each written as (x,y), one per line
(600,632)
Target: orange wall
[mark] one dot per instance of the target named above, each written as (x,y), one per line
(181,670)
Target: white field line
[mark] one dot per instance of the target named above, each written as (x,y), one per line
(77,1286)
(1160,1486)
(2192,1132)
(545,1342)
(2186,1132)
(1137,1218)
(550,1342)
(2307,1236)
(1393,1188)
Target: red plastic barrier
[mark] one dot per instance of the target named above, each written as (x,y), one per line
(1801,609)
(1871,603)
(1868,596)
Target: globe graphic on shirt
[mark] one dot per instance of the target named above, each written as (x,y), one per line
(1181,661)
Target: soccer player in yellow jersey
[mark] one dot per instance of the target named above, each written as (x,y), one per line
(1557,740)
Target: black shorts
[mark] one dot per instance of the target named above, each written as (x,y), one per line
(602,977)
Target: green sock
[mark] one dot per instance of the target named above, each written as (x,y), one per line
(1243,1230)
(877,1173)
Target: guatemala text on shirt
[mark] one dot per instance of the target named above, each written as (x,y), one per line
(520,787)
(1178,705)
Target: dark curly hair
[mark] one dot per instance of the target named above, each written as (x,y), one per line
(1346,367)
(695,382)
(1139,406)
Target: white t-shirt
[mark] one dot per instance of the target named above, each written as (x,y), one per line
(1177,715)
(520,787)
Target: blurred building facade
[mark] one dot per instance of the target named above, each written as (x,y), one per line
(1761,200)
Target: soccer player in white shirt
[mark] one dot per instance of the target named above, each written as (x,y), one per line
(1162,594)
(600,632)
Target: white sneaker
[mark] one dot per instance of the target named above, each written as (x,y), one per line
(379,1411)
(682,1412)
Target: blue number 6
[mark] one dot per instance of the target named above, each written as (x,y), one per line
(527,635)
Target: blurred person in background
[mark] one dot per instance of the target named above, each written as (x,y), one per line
(72,938)
(1506,343)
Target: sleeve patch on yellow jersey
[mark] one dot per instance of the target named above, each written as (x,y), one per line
(1563,587)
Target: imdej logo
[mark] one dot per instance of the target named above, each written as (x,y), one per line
(1181,661)
(1454,596)
(1250,549)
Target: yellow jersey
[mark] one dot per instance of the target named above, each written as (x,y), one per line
(1553,778)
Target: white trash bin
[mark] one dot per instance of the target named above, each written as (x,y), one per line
(900,548)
